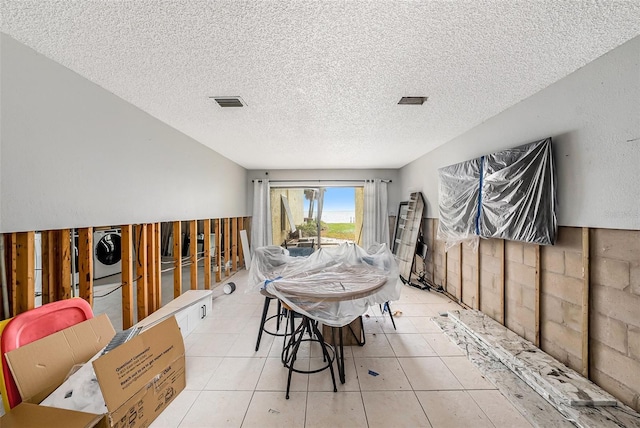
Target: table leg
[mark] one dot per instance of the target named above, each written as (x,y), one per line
(339,347)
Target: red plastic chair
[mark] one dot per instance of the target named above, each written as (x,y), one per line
(35,324)
(3,388)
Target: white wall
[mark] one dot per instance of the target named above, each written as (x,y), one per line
(75,155)
(332,174)
(593,116)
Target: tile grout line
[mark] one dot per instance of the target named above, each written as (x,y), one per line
(189,409)
(424,411)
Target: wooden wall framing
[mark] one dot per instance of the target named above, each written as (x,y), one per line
(177,259)
(585,301)
(24,272)
(127,276)
(227,247)
(85,262)
(142,297)
(142,249)
(207,254)
(193,254)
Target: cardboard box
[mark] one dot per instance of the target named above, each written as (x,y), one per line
(138,379)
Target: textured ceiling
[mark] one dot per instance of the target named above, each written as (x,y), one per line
(322,79)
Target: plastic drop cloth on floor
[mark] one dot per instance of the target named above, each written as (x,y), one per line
(334,285)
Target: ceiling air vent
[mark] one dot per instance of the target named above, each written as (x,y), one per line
(229,101)
(412,101)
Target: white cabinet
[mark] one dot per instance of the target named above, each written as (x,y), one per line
(182,319)
(196,313)
(190,309)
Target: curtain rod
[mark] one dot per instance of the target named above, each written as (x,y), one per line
(316,181)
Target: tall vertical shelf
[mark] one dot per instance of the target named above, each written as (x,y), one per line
(407,231)
(401,219)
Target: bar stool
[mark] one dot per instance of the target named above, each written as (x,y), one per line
(268,297)
(290,350)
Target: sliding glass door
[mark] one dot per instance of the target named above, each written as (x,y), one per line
(311,217)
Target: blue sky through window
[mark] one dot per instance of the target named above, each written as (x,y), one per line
(336,199)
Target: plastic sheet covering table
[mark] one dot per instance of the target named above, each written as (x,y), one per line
(334,285)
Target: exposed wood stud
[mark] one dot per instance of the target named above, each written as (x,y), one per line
(193,253)
(85,264)
(177,259)
(64,260)
(433,247)
(502,285)
(478,292)
(49,267)
(217,230)
(207,254)
(234,244)
(158,265)
(126,233)
(227,245)
(247,227)
(152,285)
(25,272)
(12,268)
(141,271)
(240,250)
(537,297)
(446,263)
(585,301)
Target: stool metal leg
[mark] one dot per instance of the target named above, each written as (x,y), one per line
(289,354)
(296,345)
(297,337)
(386,305)
(289,324)
(265,309)
(279,315)
(326,353)
(391,315)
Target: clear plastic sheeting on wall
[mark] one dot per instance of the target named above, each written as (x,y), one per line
(509,194)
(518,195)
(334,285)
(459,191)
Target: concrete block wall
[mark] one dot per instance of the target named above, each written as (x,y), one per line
(439,266)
(520,288)
(429,226)
(514,271)
(469,291)
(491,251)
(453,271)
(561,298)
(615,312)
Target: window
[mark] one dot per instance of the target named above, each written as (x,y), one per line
(338,209)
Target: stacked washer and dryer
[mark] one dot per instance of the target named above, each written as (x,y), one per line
(107,257)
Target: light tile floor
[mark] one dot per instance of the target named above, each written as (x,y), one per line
(424,379)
